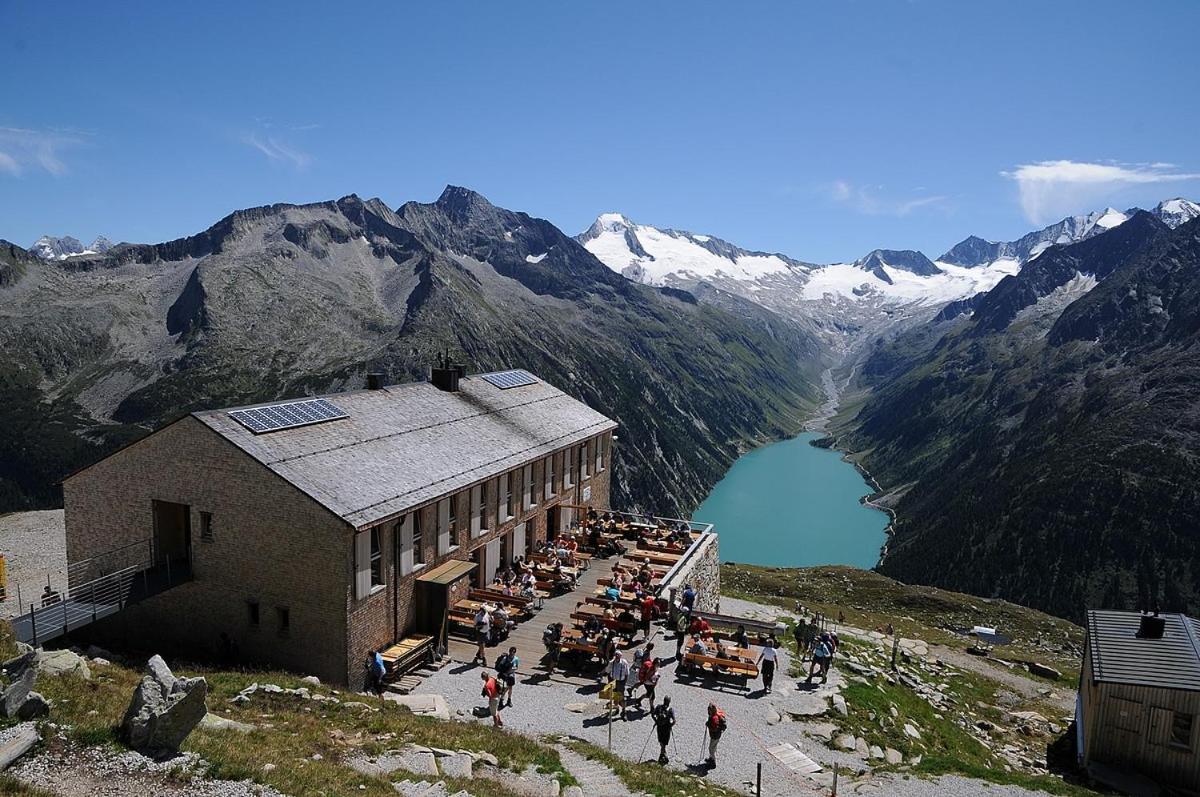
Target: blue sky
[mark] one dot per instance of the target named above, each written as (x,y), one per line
(820,130)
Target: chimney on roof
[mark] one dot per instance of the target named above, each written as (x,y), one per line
(445,374)
(374,380)
(1151,626)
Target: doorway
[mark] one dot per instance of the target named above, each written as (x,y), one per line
(172,532)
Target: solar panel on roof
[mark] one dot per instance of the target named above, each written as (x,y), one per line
(288,416)
(506,379)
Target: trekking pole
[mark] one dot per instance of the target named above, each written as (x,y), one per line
(642,754)
(758,789)
(703,739)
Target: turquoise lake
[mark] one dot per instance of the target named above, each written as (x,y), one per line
(791,504)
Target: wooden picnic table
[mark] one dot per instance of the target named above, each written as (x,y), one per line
(472,606)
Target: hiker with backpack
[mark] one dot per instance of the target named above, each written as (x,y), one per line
(618,675)
(552,639)
(493,690)
(506,668)
(664,723)
(648,675)
(822,655)
(714,726)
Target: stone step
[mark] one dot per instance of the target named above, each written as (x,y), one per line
(595,778)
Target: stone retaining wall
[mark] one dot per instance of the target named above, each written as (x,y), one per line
(702,569)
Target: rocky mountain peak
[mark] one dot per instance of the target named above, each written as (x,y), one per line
(902,259)
(460,203)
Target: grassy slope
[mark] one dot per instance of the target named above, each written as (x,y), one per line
(878,709)
(871,601)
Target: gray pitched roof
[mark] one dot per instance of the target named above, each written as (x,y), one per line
(408,444)
(1119,656)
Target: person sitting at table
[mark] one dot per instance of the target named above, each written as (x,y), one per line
(638,592)
(529,589)
(501,625)
(700,627)
(626,619)
(508,576)
(612,593)
(698,647)
(562,579)
(608,613)
(592,626)
(741,639)
(645,575)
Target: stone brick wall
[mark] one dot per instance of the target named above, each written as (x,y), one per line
(270,544)
(703,571)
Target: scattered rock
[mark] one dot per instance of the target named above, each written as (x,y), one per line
(20,701)
(456,766)
(422,705)
(164,709)
(893,756)
(311,680)
(212,722)
(62,662)
(1044,671)
(875,751)
(839,705)
(846,742)
(572,791)
(17,742)
(911,732)
(860,746)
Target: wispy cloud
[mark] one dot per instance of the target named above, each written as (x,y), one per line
(23,150)
(871,200)
(1051,189)
(278,151)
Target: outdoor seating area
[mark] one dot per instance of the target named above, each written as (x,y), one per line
(600,607)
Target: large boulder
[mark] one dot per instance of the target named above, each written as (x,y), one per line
(62,662)
(164,709)
(17,692)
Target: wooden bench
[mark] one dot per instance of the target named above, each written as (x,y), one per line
(744,671)
(523,606)
(407,654)
(611,623)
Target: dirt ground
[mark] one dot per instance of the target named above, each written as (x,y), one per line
(34,545)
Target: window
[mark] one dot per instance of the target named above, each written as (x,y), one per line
(452,517)
(444,514)
(283,619)
(1181,729)
(418,539)
(206,526)
(569,467)
(1127,714)
(527,487)
(376,556)
(476,510)
(364,541)
(252,613)
(504,497)
(488,489)
(548,469)
(599,454)
(583,461)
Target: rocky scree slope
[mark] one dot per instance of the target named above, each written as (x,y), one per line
(286,300)
(1041,447)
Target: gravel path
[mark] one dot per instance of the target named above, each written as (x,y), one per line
(544,706)
(34,545)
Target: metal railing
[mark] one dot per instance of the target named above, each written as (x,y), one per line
(86,602)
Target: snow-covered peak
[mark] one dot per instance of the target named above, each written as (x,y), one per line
(1177,211)
(1107,218)
(663,256)
(50,248)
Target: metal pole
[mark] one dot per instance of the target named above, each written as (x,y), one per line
(33,622)
(63,600)
(758,789)
(93,601)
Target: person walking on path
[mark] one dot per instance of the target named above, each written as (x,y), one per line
(664,723)
(714,726)
(822,653)
(766,662)
(492,691)
(483,630)
(618,675)
(648,674)
(506,668)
